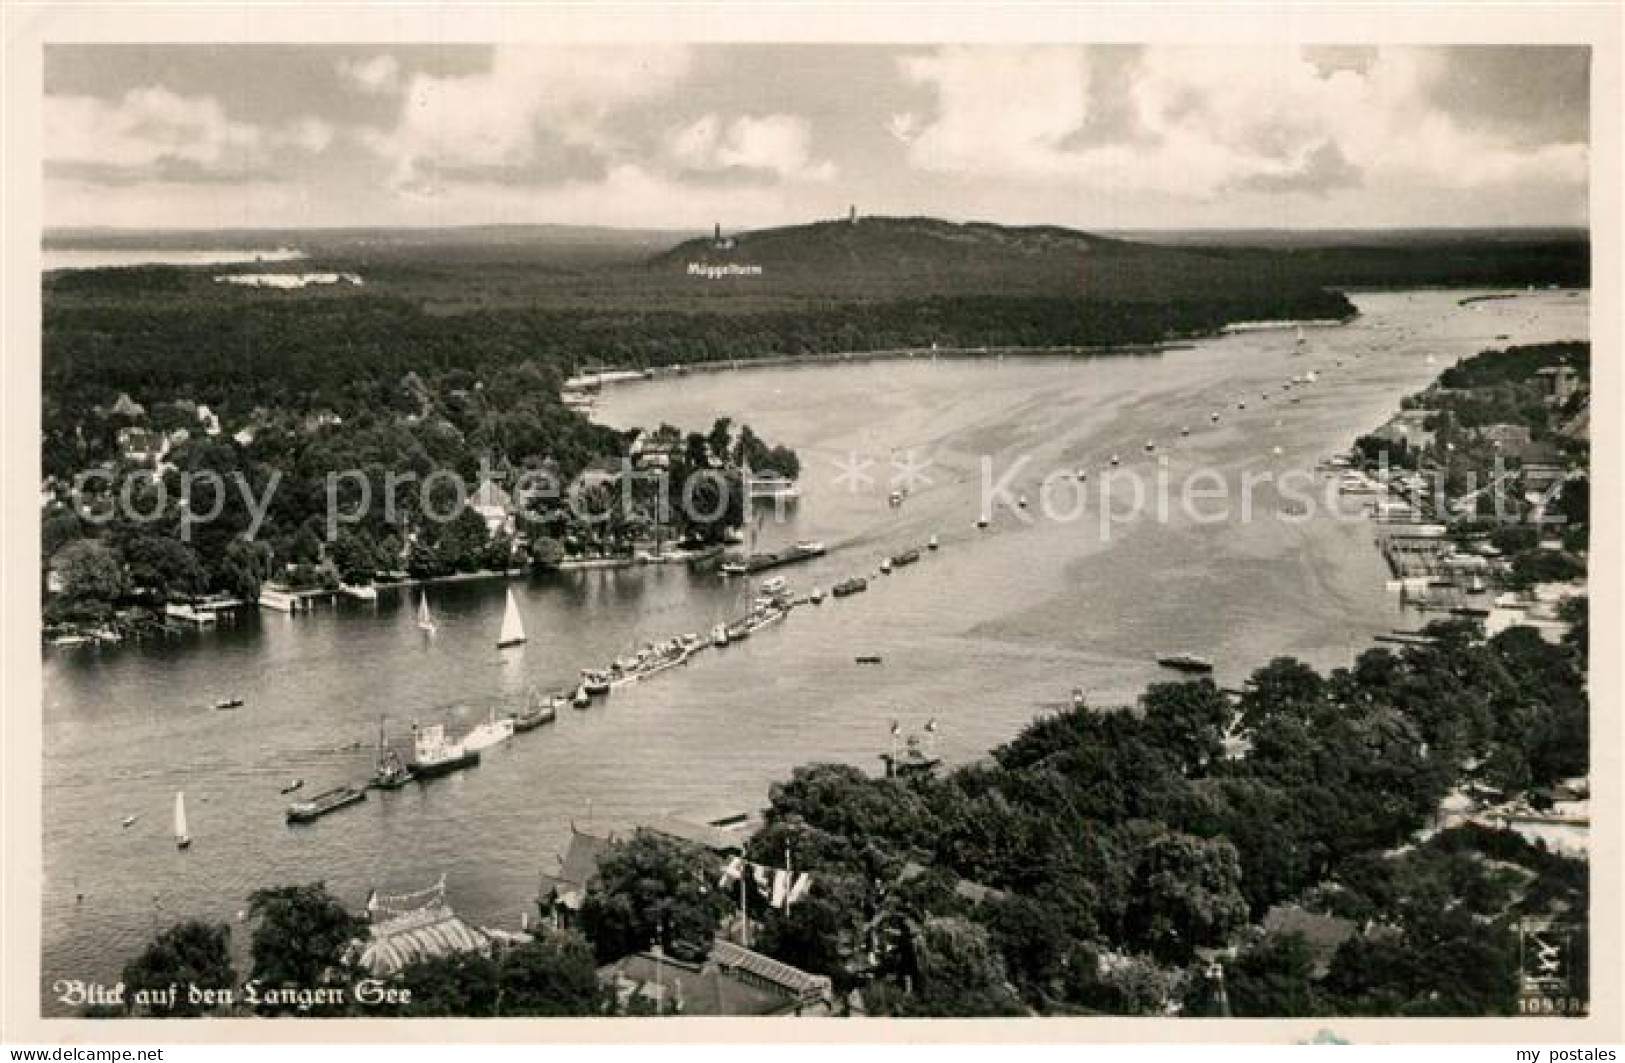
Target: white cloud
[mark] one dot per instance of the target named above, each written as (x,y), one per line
(778,144)
(145,127)
(150,128)
(379,76)
(529,101)
(1206,121)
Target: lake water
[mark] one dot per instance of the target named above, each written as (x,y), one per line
(52,258)
(995,628)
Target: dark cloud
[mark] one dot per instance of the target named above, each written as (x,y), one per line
(258,83)
(1526,95)
(167,171)
(1324,170)
(552,162)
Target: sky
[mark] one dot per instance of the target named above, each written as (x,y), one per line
(682,136)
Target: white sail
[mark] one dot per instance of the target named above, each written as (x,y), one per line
(513,629)
(181,836)
(425,618)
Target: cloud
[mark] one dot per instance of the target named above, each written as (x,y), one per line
(152,132)
(1193,123)
(529,103)
(1323,170)
(771,146)
(378,76)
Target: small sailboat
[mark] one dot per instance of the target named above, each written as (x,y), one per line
(129,821)
(1300,342)
(426,622)
(513,629)
(183,840)
(932,544)
(582,699)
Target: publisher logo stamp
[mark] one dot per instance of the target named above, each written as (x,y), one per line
(1551,958)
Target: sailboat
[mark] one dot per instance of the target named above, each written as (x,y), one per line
(1300,336)
(425,618)
(182,839)
(513,629)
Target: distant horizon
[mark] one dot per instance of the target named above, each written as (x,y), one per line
(135,230)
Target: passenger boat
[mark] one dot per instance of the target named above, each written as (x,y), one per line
(513,628)
(183,838)
(229,703)
(773,585)
(581,699)
(739,629)
(324,803)
(1186,662)
(803,550)
(594,681)
(719,635)
(815,596)
(867,658)
(493,731)
(854,585)
(907,557)
(433,753)
(734,568)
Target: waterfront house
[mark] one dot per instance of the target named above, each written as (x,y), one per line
(1561,381)
(494,506)
(721,839)
(419,926)
(564,890)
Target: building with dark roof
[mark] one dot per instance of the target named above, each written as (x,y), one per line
(567,886)
(732,980)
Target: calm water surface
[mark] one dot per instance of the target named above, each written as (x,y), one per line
(996,627)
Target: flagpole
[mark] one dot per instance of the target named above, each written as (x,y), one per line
(744,911)
(789,879)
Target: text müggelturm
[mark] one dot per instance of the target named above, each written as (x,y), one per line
(722,272)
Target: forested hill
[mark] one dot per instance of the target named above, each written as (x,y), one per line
(875,259)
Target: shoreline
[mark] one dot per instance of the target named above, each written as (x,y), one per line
(885,354)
